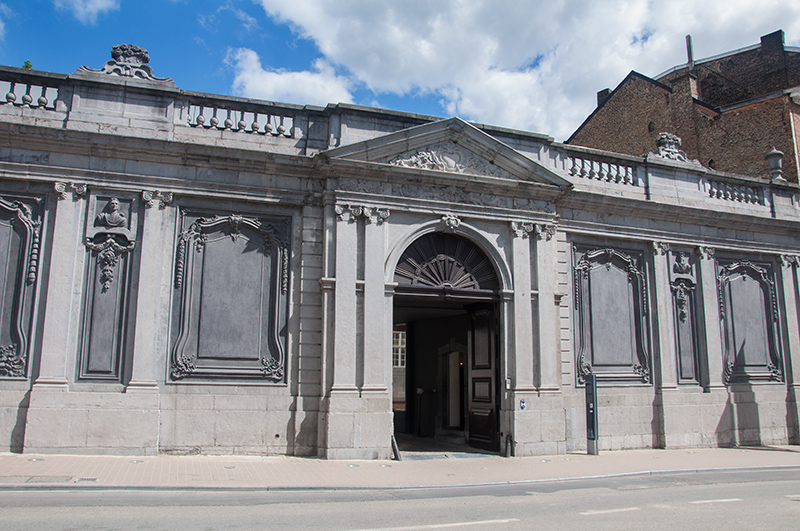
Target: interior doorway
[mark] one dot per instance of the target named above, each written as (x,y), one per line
(445,336)
(445,372)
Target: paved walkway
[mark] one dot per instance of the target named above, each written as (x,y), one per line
(29,471)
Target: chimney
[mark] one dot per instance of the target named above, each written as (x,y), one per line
(689,53)
(602,96)
(773,42)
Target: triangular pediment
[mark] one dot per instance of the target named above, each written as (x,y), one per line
(451,146)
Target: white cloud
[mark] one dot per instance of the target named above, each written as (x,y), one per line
(532,65)
(5,12)
(87,11)
(211,22)
(318,87)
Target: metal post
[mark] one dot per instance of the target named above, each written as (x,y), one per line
(591,415)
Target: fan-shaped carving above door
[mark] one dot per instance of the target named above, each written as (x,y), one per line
(445,261)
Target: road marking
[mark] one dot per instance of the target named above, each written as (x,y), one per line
(792,495)
(439,526)
(726,500)
(608,511)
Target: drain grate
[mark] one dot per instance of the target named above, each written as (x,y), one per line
(86,480)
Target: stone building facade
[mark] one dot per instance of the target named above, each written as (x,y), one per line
(185,272)
(729,110)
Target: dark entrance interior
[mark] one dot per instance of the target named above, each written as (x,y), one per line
(445,373)
(445,342)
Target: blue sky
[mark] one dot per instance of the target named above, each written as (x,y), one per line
(531,65)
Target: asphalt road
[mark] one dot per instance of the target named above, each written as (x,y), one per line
(732,500)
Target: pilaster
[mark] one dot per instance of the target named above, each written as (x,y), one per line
(377,349)
(547,304)
(62,307)
(667,374)
(153,293)
(711,330)
(524,349)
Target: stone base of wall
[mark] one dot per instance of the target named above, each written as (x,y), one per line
(357,427)
(62,421)
(13,411)
(635,417)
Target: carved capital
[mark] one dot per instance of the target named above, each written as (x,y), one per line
(660,248)
(789,260)
(450,223)
(544,231)
(705,253)
(151,198)
(522,229)
(351,213)
(77,189)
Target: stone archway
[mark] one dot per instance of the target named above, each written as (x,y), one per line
(447,292)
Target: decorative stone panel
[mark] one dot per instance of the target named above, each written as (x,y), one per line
(231,304)
(611,315)
(110,240)
(20,233)
(685,305)
(749,309)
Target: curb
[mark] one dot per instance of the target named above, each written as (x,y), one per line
(11,487)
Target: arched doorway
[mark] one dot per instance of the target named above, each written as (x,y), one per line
(445,342)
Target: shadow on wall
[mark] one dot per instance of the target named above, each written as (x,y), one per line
(17,442)
(302,439)
(739,424)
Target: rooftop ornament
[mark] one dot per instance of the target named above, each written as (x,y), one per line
(669,147)
(128,60)
(775,161)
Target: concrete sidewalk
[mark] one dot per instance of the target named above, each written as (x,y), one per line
(29,471)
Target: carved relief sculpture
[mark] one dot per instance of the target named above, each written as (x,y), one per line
(128,60)
(612,327)
(110,240)
(20,226)
(748,307)
(231,326)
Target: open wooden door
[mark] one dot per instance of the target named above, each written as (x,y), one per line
(482,379)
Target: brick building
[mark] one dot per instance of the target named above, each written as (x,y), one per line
(729,110)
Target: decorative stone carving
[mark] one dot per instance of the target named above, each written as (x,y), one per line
(246,336)
(748,305)
(660,248)
(669,148)
(445,261)
(109,252)
(788,260)
(12,365)
(77,189)
(20,230)
(682,290)
(351,213)
(682,265)
(128,60)
(705,253)
(522,229)
(611,316)
(450,223)
(151,198)
(447,157)
(452,194)
(545,231)
(111,216)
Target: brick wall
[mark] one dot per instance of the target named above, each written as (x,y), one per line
(733,141)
